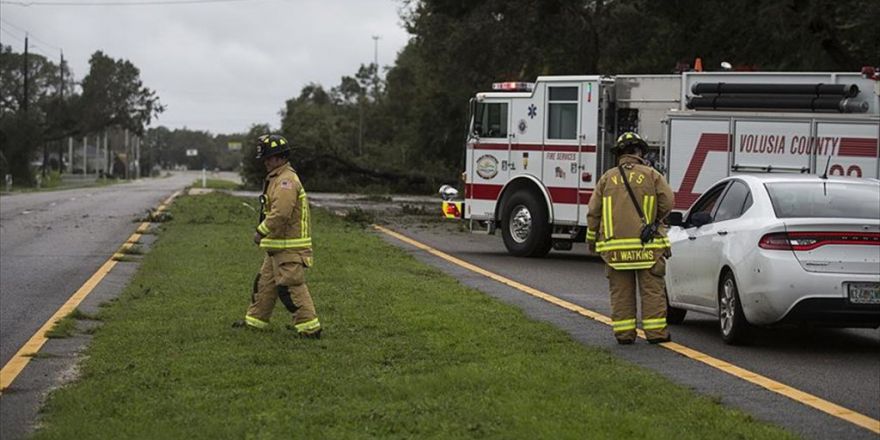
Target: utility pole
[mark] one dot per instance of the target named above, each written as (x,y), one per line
(85,156)
(24,102)
(137,145)
(61,96)
(70,154)
(376,52)
(127,156)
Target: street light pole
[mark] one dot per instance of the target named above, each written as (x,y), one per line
(376,52)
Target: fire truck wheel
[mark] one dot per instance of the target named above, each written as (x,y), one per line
(525,225)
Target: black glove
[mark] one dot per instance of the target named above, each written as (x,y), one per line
(648,233)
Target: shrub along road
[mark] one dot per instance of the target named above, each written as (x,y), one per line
(407,352)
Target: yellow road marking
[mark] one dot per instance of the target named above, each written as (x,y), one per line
(23,356)
(825,406)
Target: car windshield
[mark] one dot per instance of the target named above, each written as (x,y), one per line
(825,199)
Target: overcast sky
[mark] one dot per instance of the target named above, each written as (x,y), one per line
(218,65)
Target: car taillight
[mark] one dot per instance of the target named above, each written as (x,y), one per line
(777,241)
(807,241)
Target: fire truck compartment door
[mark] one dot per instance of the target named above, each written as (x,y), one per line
(771,145)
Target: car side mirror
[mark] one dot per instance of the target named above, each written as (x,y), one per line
(700,218)
(675,219)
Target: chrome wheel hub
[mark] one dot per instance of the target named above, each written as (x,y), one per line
(520,224)
(727,308)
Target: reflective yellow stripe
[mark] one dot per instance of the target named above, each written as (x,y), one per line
(648,203)
(624,325)
(607,220)
(627,244)
(623,322)
(288,243)
(632,266)
(263,229)
(254,322)
(304,216)
(653,324)
(310,326)
(604,218)
(630,247)
(591,235)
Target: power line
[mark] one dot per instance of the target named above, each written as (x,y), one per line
(115,3)
(31,35)
(19,39)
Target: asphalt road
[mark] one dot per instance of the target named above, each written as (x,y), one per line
(838,365)
(52,242)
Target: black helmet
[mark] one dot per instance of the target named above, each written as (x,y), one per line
(271,145)
(627,140)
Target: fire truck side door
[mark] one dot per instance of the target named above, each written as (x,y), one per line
(561,155)
(489,156)
(589,141)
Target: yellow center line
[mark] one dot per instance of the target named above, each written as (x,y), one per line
(23,356)
(823,405)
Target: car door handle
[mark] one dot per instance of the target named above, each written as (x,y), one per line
(722,232)
(692,237)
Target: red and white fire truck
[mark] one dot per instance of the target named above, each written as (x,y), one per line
(535,151)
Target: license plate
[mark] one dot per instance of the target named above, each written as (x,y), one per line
(864,293)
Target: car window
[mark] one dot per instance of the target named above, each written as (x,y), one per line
(733,202)
(825,199)
(708,200)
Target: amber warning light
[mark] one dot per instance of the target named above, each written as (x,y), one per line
(513,86)
(452,209)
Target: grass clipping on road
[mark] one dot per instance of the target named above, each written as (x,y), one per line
(408,352)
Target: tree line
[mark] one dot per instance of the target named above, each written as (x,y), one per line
(405,129)
(42,105)
(402,127)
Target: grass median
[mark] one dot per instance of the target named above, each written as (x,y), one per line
(408,352)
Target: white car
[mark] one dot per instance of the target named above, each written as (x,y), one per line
(776,249)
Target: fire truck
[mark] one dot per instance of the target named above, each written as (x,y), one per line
(534,151)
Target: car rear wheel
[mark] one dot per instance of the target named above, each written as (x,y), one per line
(731,319)
(525,225)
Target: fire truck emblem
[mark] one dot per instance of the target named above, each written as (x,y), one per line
(522,126)
(487,166)
(533,111)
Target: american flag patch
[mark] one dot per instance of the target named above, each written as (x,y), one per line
(286,184)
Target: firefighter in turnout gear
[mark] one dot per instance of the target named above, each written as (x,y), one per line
(284,233)
(623,225)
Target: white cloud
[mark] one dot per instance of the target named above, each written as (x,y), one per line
(220,66)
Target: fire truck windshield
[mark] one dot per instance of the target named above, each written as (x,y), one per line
(490,120)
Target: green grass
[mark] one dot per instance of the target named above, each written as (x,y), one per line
(408,352)
(64,328)
(218,184)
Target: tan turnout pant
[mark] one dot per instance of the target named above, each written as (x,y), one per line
(282,277)
(622,284)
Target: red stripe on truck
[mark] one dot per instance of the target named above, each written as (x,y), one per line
(535,147)
(478,191)
(481,191)
(859,147)
(708,142)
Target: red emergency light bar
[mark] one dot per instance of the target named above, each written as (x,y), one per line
(513,86)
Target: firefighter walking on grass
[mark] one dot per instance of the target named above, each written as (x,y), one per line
(284,233)
(623,225)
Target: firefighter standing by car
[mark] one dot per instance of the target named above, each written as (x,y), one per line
(623,225)
(285,233)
